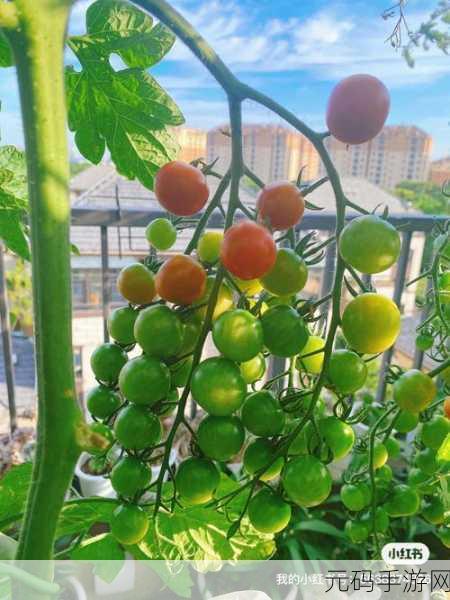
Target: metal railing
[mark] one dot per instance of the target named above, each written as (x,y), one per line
(137,218)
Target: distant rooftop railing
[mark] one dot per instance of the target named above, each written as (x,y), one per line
(140,217)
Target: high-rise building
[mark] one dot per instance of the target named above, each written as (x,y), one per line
(440,171)
(396,154)
(272,152)
(192,143)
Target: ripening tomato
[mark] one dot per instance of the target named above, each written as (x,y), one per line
(209,245)
(280,205)
(250,287)
(196,480)
(220,438)
(285,332)
(136,284)
(288,275)
(347,371)
(268,512)
(181,188)
(414,391)
(306,481)
(238,335)
(217,385)
(371,323)
(129,524)
(369,244)
(357,109)
(161,234)
(248,250)
(144,380)
(181,280)
(159,332)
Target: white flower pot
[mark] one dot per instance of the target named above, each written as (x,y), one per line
(92,485)
(75,589)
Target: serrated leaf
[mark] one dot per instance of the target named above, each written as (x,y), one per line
(126,111)
(13,492)
(78,517)
(200,534)
(105,551)
(14,173)
(6,55)
(13,234)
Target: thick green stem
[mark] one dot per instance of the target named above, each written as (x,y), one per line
(38,45)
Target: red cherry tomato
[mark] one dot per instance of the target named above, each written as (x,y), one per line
(357,109)
(181,280)
(181,188)
(248,250)
(280,205)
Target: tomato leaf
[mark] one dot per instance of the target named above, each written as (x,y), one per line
(105,551)
(78,517)
(6,56)
(200,534)
(12,232)
(13,493)
(125,111)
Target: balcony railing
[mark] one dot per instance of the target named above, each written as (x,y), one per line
(133,218)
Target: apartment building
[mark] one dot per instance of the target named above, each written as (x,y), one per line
(396,154)
(192,143)
(272,152)
(440,171)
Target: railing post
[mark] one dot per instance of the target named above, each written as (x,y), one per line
(7,345)
(105,279)
(400,279)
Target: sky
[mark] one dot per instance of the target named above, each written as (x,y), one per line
(295,51)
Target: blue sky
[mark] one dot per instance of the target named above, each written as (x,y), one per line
(295,51)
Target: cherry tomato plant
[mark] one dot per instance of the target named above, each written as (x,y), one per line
(243,286)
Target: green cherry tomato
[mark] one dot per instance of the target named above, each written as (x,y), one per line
(285,332)
(159,332)
(129,476)
(312,364)
(102,402)
(218,387)
(369,244)
(435,431)
(443,534)
(209,245)
(268,512)
(306,481)
(404,501)
(393,447)
(425,460)
(381,520)
(257,455)
(196,480)
(433,510)
(305,442)
(444,287)
(357,531)
(414,391)
(253,370)
(179,372)
(380,455)
(288,275)
(129,524)
(106,362)
(144,380)
(424,341)
(371,323)
(105,432)
(238,335)
(192,327)
(220,438)
(384,474)
(161,234)
(347,371)
(406,421)
(420,481)
(339,436)
(121,325)
(262,414)
(355,496)
(136,428)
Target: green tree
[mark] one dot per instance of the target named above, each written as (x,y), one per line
(424,196)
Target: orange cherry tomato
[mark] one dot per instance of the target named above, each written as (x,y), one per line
(181,280)
(136,284)
(280,205)
(181,188)
(248,250)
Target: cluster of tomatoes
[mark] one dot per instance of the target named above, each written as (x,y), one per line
(243,290)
